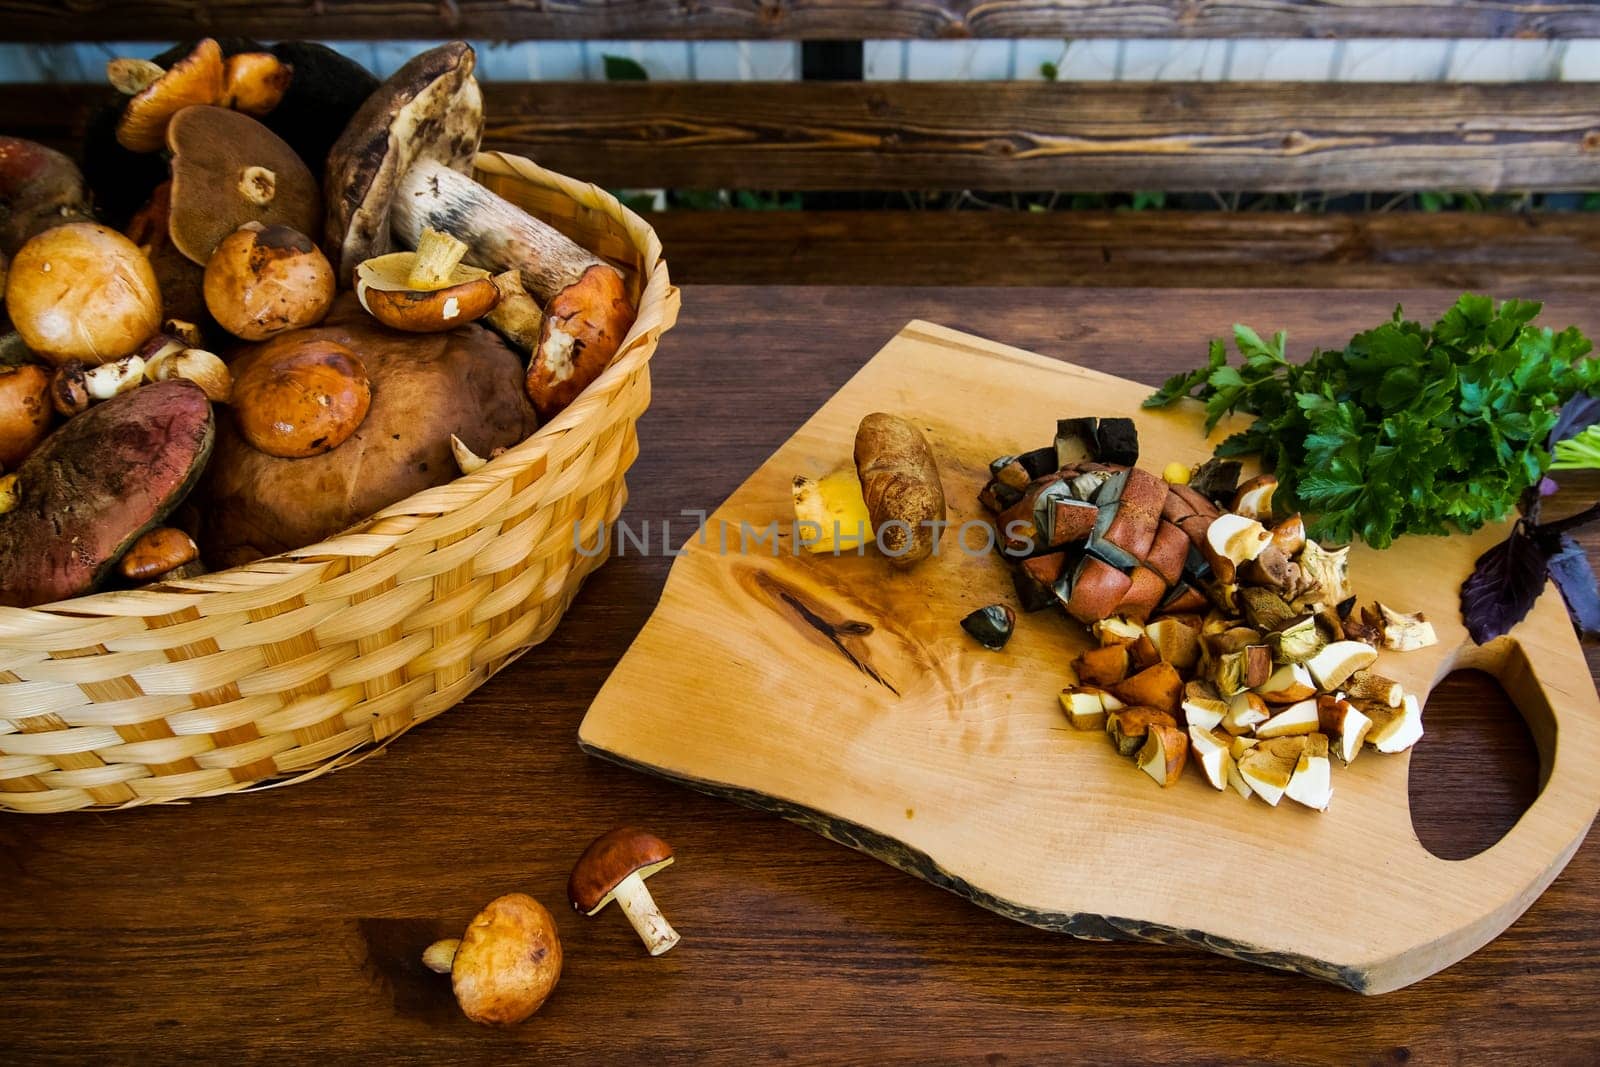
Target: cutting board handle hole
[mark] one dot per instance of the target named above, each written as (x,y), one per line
(1479,766)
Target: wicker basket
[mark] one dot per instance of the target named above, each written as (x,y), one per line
(308,661)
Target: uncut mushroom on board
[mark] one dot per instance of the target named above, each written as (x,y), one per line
(614,867)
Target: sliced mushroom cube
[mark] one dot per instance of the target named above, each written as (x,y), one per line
(1104,666)
(1128,727)
(1301,718)
(1269,766)
(1211,755)
(1343,721)
(1202,707)
(1168,553)
(1336,662)
(1145,591)
(1176,642)
(1157,686)
(1245,712)
(1075,441)
(1165,751)
(1311,783)
(1289,684)
(1097,589)
(1117,441)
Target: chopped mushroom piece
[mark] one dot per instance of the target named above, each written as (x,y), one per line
(1268,767)
(1336,662)
(1211,755)
(1395,730)
(1245,710)
(1129,726)
(1298,718)
(1164,754)
(1289,684)
(1175,641)
(614,867)
(1254,498)
(1405,633)
(1345,722)
(1084,708)
(1231,541)
(1158,686)
(1369,685)
(1202,706)
(1311,783)
(1104,666)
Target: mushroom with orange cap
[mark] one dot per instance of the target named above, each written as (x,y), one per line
(506,964)
(614,867)
(195,79)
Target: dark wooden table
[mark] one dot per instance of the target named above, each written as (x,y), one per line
(289,922)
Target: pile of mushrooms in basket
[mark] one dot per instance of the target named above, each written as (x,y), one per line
(208,355)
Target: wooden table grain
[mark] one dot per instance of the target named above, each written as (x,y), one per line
(288,923)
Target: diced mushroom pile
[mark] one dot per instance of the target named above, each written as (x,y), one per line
(1225,638)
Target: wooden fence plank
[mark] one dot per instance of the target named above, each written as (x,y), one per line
(1084,137)
(29,20)
(1507,255)
(1078,136)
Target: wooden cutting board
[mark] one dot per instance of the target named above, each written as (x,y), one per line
(844,695)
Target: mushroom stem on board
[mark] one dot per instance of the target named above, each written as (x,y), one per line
(643,914)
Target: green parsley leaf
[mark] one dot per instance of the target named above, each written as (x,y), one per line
(1407,429)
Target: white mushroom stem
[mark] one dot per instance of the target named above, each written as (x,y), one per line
(440,956)
(109,379)
(640,908)
(501,235)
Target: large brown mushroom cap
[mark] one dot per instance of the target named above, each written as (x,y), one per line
(195,79)
(425,387)
(508,962)
(227,170)
(609,859)
(431,108)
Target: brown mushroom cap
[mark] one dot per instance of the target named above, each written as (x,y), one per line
(508,962)
(431,108)
(305,401)
(609,859)
(382,288)
(157,552)
(263,280)
(194,79)
(39,188)
(82,291)
(25,411)
(583,326)
(227,170)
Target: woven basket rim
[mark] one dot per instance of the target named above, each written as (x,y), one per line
(304,565)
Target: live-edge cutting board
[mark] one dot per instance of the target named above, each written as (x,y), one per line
(843,694)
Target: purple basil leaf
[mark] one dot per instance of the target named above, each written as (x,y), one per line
(1577,415)
(1549,531)
(1575,578)
(1503,585)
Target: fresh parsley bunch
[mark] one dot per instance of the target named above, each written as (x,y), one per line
(1405,429)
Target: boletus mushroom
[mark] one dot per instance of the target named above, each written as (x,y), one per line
(430,109)
(92,487)
(614,867)
(39,188)
(426,291)
(424,387)
(587,308)
(263,280)
(82,291)
(506,964)
(227,170)
(307,399)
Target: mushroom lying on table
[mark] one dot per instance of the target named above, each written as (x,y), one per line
(614,867)
(506,964)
